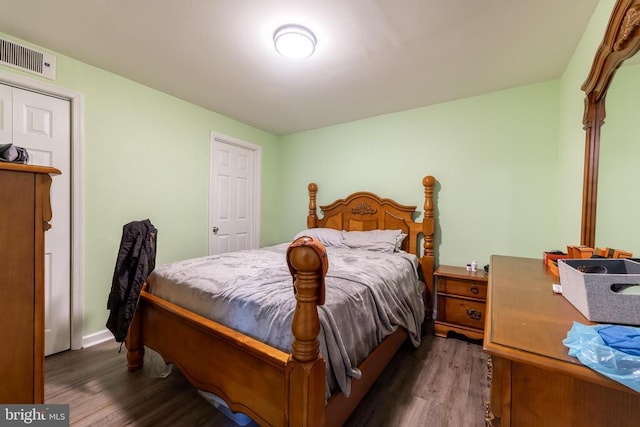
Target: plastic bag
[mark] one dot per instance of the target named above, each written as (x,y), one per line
(587,345)
(156,364)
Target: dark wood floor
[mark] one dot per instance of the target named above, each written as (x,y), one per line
(442,383)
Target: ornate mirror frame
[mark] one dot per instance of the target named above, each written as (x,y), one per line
(621,41)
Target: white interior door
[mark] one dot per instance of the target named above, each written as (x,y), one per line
(234,197)
(41,124)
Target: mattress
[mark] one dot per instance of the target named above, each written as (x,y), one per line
(369,294)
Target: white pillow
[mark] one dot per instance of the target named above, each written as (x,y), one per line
(374,240)
(399,241)
(326,236)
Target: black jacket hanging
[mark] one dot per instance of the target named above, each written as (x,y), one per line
(136,260)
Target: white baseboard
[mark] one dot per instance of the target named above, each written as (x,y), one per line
(96,338)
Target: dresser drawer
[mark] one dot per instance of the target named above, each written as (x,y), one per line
(467,288)
(464,312)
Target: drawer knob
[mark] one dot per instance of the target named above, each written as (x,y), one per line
(474,314)
(474,289)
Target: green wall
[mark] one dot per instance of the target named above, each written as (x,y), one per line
(146,155)
(494,157)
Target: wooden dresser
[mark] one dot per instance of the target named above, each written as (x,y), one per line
(533,380)
(25,212)
(460,298)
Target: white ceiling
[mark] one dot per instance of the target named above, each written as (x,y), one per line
(373,56)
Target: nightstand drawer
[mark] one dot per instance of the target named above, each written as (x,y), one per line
(467,288)
(464,312)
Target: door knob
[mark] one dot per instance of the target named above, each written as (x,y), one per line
(215,230)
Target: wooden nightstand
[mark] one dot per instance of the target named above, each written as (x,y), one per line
(460,298)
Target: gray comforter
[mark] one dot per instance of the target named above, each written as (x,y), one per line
(368,296)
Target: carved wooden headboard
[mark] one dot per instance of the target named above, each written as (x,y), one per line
(364,211)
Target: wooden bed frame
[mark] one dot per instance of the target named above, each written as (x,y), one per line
(272,387)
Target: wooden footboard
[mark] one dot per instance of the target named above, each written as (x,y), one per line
(249,375)
(270,386)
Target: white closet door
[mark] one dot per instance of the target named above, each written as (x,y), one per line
(42,125)
(233,197)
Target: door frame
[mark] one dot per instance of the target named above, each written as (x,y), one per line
(76,99)
(217,138)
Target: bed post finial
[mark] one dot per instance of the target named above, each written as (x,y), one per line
(307,261)
(312,217)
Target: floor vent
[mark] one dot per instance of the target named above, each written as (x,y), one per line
(27,59)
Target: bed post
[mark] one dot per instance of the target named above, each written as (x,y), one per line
(428,230)
(307,369)
(133,342)
(312,217)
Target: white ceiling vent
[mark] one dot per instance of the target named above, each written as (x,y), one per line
(27,59)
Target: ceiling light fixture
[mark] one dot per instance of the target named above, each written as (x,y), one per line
(294,41)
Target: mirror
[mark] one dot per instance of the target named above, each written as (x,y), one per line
(618,206)
(621,41)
